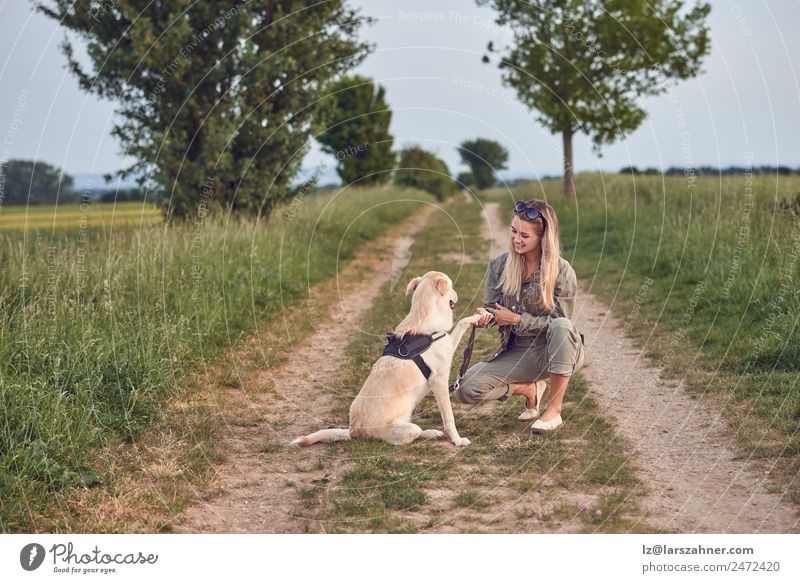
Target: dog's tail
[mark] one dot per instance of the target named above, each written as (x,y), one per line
(326,436)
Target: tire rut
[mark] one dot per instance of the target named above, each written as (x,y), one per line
(255,488)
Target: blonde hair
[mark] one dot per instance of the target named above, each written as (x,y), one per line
(510,283)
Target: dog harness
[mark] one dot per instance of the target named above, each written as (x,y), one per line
(410,346)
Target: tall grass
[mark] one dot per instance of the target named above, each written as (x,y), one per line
(705,272)
(98,326)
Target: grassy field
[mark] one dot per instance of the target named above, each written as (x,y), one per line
(99,326)
(705,274)
(77,216)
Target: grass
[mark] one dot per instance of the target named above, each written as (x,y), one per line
(470,498)
(100,328)
(506,471)
(704,273)
(78,216)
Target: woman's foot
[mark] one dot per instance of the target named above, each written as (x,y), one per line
(541,426)
(534,394)
(549,414)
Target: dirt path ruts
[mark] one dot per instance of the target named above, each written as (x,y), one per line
(697,480)
(255,485)
(681,447)
(694,477)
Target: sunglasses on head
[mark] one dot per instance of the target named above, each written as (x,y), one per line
(531,212)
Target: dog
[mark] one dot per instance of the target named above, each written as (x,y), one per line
(395,386)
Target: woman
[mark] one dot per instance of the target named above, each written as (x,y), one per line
(534,291)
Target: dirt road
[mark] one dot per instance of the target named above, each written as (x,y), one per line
(694,479)
(288,400)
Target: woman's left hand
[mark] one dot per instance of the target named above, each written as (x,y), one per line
(505,317)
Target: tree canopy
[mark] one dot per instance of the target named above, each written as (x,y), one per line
(421,169)
(583,65)
(215,99)
(484,157)
(30,182)
(354,120)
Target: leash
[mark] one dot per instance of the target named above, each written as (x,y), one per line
(465,363)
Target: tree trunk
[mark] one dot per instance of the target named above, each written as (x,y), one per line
(569,178)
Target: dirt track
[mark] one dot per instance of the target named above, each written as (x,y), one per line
(693,479)
(284,402)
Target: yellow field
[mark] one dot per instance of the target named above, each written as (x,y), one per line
(76,216)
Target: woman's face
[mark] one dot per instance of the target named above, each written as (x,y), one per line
(524,236)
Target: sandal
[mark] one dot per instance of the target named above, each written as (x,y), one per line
(533,412)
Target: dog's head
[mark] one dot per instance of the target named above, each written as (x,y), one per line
(435,289)
(438,282)
(432,305)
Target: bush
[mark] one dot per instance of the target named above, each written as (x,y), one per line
(421,169)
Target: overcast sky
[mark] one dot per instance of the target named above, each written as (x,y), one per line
(744,105)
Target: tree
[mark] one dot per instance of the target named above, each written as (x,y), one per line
(483,157)
(216,99)
(29,182)
(354,120)
(584,65)
(421,169)
(465,180)
(629,170)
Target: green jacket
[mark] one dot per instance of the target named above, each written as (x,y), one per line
(534,319)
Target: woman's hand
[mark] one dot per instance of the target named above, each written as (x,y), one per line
(505,317)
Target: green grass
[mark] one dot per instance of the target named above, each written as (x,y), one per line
(705,275)
(470,498)
(66,217)
(99,327)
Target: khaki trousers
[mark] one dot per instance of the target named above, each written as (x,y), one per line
(559,350)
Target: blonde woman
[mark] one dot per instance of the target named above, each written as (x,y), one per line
(530,293)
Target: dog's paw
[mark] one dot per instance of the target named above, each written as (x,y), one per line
(474,319)
(431,434)
(461,442)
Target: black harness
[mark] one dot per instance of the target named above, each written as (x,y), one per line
(410,346)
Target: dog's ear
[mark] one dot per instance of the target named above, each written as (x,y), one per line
(441,285)
(412,285)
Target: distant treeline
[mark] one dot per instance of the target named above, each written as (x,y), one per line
(671,171)
(28,182)
(713,170)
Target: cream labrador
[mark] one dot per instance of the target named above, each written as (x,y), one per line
(395,386)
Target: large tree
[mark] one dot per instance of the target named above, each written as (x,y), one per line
(215,99)
(584,64)
(484,157)
(354,127)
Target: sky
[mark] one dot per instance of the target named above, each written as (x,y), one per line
(741,109)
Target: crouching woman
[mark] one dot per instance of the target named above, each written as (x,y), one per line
(530,293)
